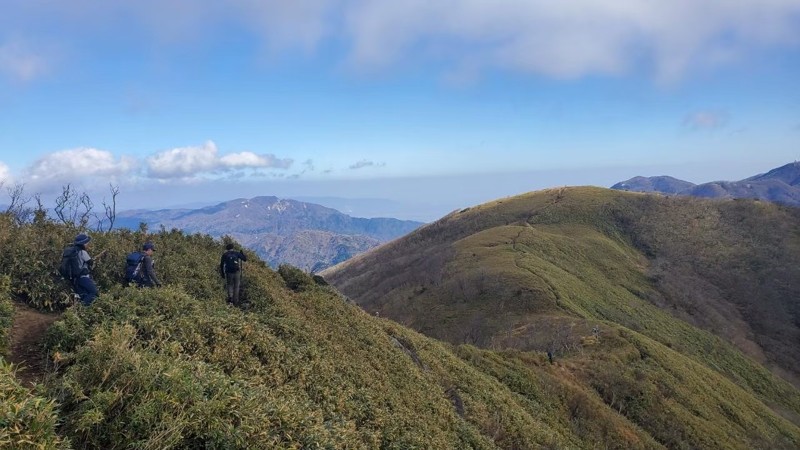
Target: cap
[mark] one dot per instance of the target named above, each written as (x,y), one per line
(82,239)
(149,246)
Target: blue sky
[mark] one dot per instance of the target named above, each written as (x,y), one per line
(433,105)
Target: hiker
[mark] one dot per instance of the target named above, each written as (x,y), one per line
(76,266)
(148,276)
(230,267)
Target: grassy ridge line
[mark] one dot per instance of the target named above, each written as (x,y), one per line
(357,391)
(597,283)
(572,270)
(545,268)
(174,367)
(314,370)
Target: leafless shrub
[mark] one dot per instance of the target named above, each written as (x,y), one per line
(18,205)
(110,210)
(73,208)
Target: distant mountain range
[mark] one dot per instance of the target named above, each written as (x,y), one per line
(780,185)
(305,235)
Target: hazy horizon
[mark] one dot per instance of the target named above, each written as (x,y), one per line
(423,199)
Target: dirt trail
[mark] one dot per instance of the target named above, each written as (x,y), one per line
(27,332)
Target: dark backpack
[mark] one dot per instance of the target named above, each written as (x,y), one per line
(133,267)
(230,262)
(70,267)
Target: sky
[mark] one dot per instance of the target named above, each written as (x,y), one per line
(405,109)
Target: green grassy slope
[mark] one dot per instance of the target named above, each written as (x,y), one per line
(540,271)
(303,368)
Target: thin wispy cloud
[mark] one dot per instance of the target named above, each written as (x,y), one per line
(188,162)
(20,63)
(365,163)
(705,120)
(557,39)
(571,39)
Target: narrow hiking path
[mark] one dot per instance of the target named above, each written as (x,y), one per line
(27,332)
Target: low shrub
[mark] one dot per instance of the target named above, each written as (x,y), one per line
(295,279)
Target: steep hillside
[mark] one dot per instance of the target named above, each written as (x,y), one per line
(698,276)
(311,250)
(280,230)
(301,367)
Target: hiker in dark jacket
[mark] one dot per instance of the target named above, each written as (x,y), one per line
(83,284)
(230,268)
(149,278)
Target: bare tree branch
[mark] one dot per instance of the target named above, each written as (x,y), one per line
(17,207)
(73,208)
(87,205)
(111,210)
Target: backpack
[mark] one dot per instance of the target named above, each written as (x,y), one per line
(70,267)
(230,261)
(133,267)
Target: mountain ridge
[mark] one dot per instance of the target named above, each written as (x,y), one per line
(780,185)
(263,221)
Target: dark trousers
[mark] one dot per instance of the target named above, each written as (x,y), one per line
(86,289)
(232,283)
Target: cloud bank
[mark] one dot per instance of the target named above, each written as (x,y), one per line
(92,168)
(77,164)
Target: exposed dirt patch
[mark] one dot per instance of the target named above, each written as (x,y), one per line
(27,332)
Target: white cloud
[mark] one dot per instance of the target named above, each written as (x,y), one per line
(183,161)
(188,162)
(79,164)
